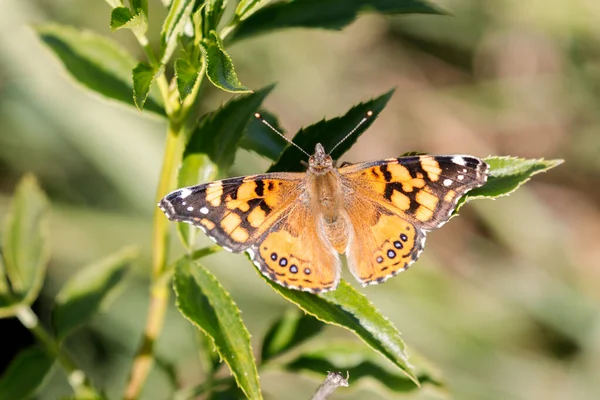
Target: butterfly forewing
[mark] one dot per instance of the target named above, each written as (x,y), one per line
(234,212)
(422,189)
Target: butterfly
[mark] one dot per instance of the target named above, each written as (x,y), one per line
(294,225)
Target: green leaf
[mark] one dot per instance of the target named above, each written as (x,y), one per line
(143,76)
(218,133)
(361,364)
(89,290)
(506,175)
(25,374)
(219,66)
(187,71)
(204,302)
(246,7)
(212,13)
(329,133)
(96,62)
(177,18)
(348,308)
(195,169)
(121,18)
(25,244)
(324,14)
(261,139)
(291,330)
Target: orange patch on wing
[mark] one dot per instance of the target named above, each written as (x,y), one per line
(427,199)
(449,196)
(400,200)
(239,234)
(256,217)
(423,214)
(230,222)
(432,167)
(214,192)
(399,173)
(247,190)
(409,185)
(208,224)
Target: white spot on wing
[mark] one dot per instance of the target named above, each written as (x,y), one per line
(190,208)
(185,192)
(459,160)
(204,210)
(227,248)
(250,253)
(460,177)
(447,182)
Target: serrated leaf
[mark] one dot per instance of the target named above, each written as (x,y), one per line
(195,169)
(187,71)
(177,18)
(96,62)
(360,363)
(25,244)
(206,304)
(218,133)
(506,175)
(143,76)
(219,66)
(25,374)
(261,139)
(121,17)
(88,291)
(246,7)
(329,133)
(324,14)
(289,331)
(348,308)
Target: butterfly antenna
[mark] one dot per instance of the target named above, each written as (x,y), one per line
(362,121)
(264,121)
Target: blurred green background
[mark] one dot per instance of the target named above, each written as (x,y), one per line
(505,299)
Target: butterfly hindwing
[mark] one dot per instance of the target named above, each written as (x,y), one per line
(296,254)
(234,212)
(422,189)
(381,243)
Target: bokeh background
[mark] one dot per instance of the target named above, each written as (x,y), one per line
(505,299)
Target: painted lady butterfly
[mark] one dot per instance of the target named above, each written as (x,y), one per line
(295,225)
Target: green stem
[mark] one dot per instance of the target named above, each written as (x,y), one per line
(77,379)
(180,125)
(159,293)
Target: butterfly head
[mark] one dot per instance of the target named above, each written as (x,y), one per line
(320,162)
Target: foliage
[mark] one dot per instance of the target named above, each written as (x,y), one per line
(193,44)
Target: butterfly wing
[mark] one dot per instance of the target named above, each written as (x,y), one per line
(422,189)
(269,217)
(295,253)
(235,212)
(394,202)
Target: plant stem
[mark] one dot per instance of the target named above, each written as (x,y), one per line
(159,293)
(180,124)
(76,376)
